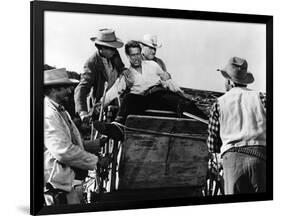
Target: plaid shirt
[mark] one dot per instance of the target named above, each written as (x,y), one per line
(214,141)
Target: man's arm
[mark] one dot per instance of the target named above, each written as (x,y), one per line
(166,81)
(161,64)
(58,142)
(164,75)
(94,146)
(115,91)
(214,141)
(83,88)
(263,99)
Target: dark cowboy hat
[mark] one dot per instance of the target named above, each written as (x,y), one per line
(236,70)
(58,77)
(106,37)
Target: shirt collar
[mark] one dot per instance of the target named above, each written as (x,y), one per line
(59,107)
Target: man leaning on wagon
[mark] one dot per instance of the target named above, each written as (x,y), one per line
(150,87)
(237,130)
(66,158)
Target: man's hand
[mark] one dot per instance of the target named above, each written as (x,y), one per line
(165,76)
(97,108)
(94,146)
(104,161)
(85,117)
(171,85)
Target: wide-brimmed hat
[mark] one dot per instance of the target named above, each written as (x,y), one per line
(236,70)
(106,37)
(151,40)
(58,77)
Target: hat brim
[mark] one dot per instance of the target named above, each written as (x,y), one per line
(151,45)
(114,44)
(248,79)
(69,82)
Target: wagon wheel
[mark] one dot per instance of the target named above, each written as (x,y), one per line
(103,180)
(108,177)
(110,180)
(113,171)
(214,185)
(113,148)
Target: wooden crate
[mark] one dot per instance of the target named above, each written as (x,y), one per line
(176,158)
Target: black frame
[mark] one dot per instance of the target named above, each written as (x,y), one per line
(36,133)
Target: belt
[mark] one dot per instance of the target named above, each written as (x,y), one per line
(259,152)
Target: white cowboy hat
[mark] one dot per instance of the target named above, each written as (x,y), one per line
(106,37)
(236,70)
(58,77)
(151,40)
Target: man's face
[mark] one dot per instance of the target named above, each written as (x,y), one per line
(63,93)
(148,52)
(134,56)
(107,52)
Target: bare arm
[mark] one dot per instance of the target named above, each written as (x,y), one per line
(83,88)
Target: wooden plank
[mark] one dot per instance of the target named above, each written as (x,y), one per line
(156,160)
(166,124)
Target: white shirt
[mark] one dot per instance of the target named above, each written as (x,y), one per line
(150,76)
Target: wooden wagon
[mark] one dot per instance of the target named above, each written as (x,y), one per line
(161,157)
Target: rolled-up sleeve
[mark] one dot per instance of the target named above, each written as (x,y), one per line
(116,90)
(214,141)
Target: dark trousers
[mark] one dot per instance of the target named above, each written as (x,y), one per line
(163,100)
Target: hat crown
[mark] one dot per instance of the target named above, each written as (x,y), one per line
(151,40)
(57,76)
(237,67)
(106,35)
(237,70)
(239,63)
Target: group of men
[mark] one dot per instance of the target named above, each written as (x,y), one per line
(237,124)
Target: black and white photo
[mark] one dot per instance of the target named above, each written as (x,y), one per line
(142,108)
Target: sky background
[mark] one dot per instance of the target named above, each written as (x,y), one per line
(192,49)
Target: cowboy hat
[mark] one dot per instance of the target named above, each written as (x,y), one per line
(151,41)
(236,70)
(106,37)
(58,77)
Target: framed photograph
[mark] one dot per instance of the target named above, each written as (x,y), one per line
(136,107)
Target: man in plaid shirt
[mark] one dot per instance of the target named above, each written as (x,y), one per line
(237,130)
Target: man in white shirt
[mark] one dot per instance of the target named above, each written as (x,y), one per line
(150,87)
